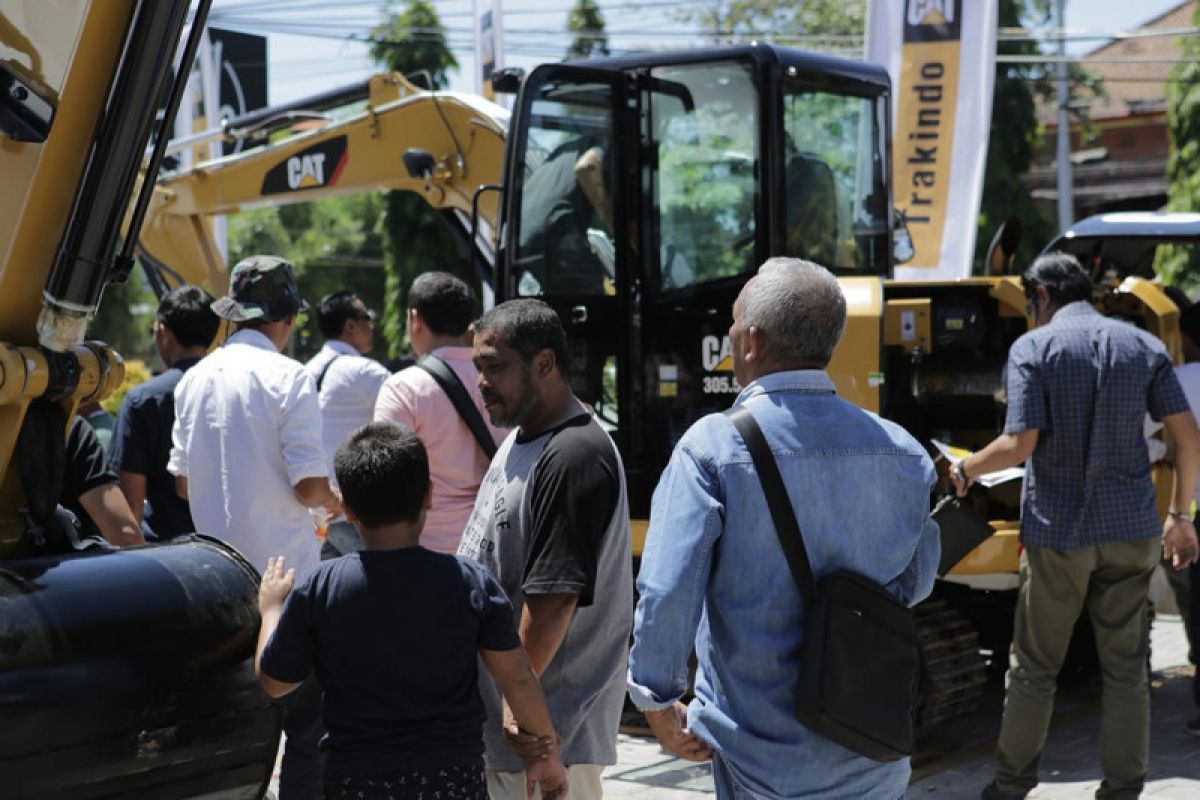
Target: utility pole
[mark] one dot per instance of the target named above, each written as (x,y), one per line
(1066,197)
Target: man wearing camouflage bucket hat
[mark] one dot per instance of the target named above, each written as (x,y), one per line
(246,451)
(263,288)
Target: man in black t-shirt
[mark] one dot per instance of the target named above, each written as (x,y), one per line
(392,633)
(552,522)
(184,328)
(90,491)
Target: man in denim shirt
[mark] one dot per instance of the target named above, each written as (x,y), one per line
(713,573)
(1079,387)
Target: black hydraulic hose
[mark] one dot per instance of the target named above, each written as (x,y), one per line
(331,98)
(123,264)
(84,259)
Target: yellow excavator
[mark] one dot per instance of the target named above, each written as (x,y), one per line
(442,145)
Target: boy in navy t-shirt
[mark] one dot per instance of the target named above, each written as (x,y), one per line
(393,633)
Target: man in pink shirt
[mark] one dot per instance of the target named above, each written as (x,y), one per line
(440,310)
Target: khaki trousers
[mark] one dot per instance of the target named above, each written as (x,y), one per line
(584,780)
(1112,581)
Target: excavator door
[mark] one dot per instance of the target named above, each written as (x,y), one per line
(569,220)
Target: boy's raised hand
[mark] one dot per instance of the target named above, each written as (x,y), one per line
(275,585)
(550,775)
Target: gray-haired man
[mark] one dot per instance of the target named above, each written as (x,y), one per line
(859,486)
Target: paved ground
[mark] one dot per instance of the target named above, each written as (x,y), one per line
(957,764)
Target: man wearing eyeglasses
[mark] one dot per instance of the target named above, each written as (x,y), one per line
(347,384)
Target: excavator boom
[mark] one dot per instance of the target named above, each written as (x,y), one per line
(441,145)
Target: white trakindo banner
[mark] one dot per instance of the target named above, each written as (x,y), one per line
(941,55)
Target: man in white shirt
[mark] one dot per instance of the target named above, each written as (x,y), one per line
(246,453)
(440,310)
(347,384)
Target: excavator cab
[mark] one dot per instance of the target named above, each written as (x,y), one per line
(642,192)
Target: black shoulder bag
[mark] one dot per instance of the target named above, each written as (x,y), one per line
(859,662)
(440,371)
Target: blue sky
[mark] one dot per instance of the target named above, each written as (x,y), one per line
(325,58)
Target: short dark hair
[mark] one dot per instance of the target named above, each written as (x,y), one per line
(186,313)
(1065,280)
(445,302)
(333,311)
(1189,326)
(383,473)
(528,326)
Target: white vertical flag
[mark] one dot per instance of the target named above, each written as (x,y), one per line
(489,45)
(941,56)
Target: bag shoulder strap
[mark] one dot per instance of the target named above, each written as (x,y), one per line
(446,378)
(782,514)
(325,371)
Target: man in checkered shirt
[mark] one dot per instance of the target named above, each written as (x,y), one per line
(1079,387)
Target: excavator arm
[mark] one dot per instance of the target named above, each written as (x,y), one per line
(442,145)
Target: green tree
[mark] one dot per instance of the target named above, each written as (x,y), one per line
(1181,265)
(1012,139)
(1015,133)
(125,317)
(587,23)
(781,21)
(409,40)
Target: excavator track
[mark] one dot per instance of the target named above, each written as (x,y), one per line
(953,672)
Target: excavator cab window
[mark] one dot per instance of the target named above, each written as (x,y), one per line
(701,179)
(835,201)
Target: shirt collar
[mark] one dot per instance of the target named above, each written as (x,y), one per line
(1080,308)
(340,347)
(253,338)
(455,352)
(804,381)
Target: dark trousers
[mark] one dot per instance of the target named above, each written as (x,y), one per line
(300,777)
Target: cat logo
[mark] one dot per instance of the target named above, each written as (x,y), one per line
(305,172)
(716,354)
(313,168)
(933,21)
(931,12)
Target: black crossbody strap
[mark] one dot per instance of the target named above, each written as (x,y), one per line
(324,372)
(784,517)
(440,371)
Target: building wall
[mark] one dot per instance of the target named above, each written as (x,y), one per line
(1122,165)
